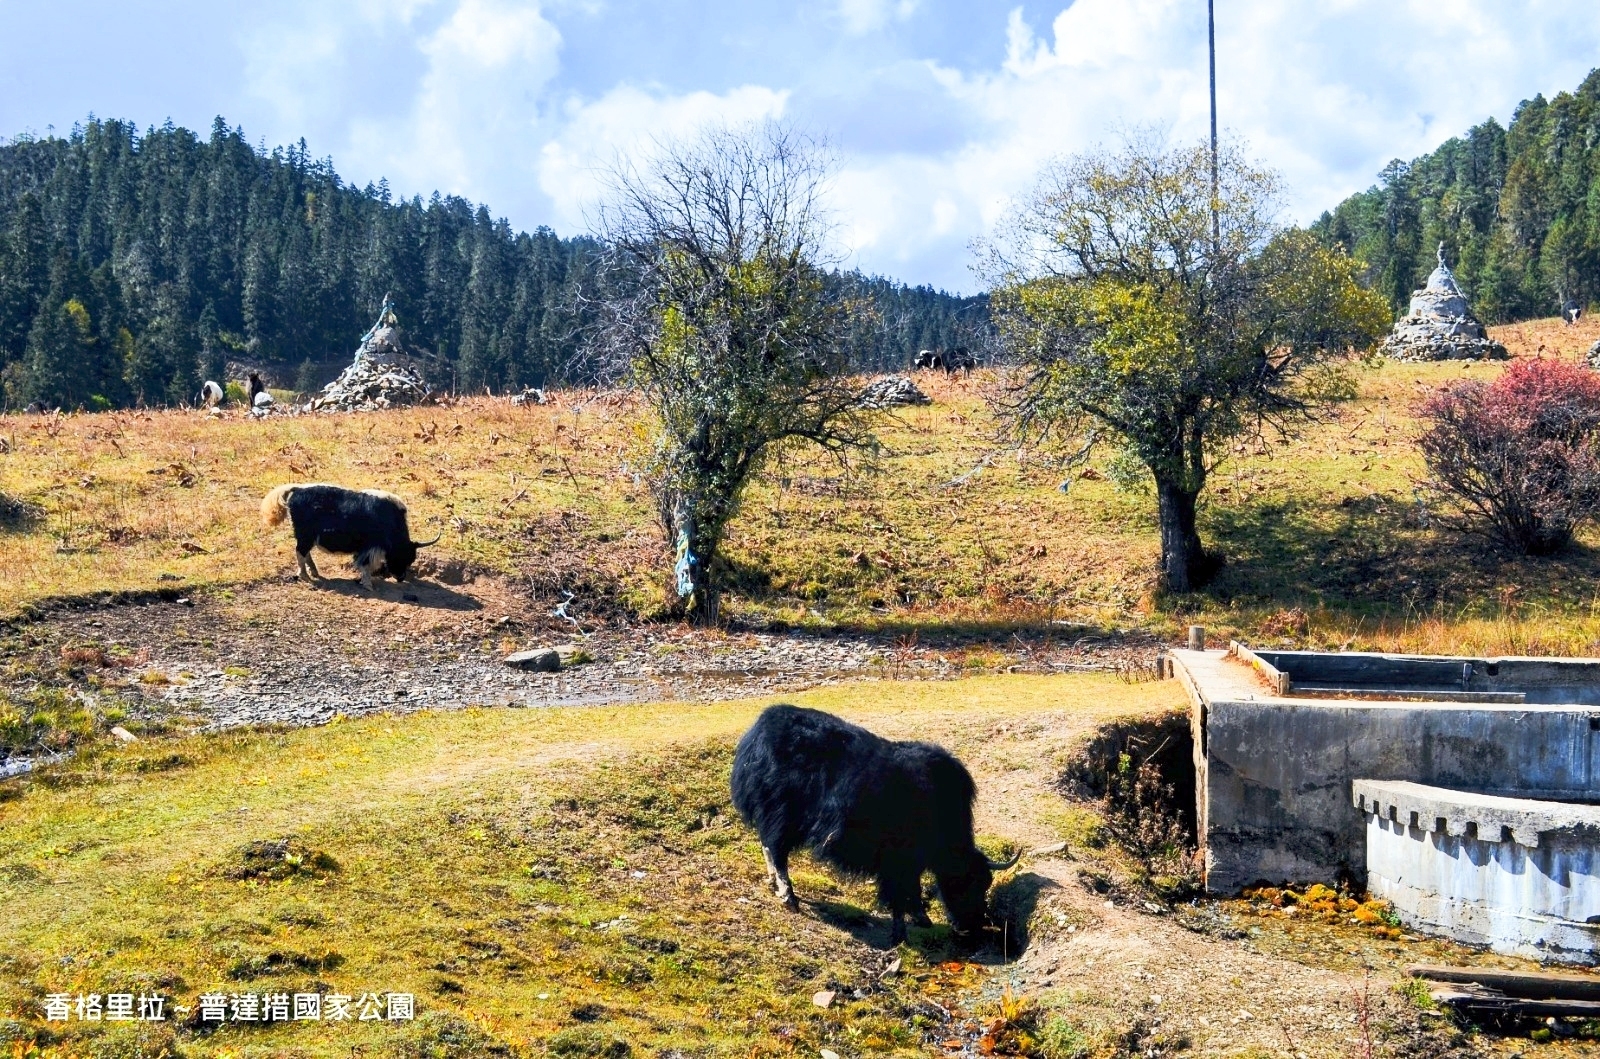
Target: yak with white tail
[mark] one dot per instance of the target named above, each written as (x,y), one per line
(369,524)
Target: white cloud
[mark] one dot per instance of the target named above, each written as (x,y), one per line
(481,98)
(1325,93)
(865,16)
(630,121)
(477,108)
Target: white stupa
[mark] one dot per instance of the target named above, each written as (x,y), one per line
(1440,324)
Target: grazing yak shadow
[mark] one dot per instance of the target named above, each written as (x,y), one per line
(1012,900)
(413,593)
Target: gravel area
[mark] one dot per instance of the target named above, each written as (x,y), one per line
(289,653)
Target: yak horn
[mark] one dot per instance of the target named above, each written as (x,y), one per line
(424,544)
(998,865)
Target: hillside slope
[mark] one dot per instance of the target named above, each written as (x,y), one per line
(1323,535)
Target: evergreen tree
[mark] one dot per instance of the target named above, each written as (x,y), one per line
(1518,209)
(186,252)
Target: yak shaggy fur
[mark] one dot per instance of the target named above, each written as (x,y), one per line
(866,805)
(369,524)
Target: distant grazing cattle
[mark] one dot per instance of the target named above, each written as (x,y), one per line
(253,387)
(951,360)
(210,394)
(867,805)
(369,524)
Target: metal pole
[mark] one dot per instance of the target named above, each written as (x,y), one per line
(1211,41)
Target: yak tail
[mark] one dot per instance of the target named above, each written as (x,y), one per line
(275,505)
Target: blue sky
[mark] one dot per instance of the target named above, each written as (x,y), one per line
(941,110)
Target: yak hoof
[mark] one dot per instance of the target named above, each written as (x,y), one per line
(897,932)
(791,902)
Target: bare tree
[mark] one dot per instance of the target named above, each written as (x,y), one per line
(724,321)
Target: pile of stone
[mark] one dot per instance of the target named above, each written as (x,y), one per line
(1440,325)
(384,374)
(531,395)
(891,391)
(1592,358)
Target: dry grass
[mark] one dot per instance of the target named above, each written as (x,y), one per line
(1325,540)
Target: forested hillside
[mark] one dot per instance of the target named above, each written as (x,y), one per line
(1517,207)
(133,266)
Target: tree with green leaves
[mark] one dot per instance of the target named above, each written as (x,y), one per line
(722,317)
(1131,322)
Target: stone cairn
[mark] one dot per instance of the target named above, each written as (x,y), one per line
(1440,326)
(384,374)
(891,391)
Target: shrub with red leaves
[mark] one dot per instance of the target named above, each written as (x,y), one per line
(1519,458)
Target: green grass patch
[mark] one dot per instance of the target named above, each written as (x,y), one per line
(542,881)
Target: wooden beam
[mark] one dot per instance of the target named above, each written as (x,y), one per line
(1530,985)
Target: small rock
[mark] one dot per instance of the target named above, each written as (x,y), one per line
(1045,851)
(892,969)
(828,1053)
(124,735)
(824,999)
(538,660)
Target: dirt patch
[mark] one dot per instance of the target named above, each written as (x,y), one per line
(284,652)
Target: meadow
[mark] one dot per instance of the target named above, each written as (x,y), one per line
(1327,538)
(571,881)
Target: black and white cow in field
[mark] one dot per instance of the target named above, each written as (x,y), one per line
(949,360)
(866,805)
(369,524)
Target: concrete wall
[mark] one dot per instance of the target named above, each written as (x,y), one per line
(1516,875)
(1274,775)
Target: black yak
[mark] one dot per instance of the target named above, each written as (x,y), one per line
(866,805)
(370,524)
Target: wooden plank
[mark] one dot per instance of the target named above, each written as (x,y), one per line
(1533,985)
(1490,1002)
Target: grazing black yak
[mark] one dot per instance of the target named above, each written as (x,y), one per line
(370,524)
(868,806)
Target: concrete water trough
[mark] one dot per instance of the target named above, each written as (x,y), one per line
(1464,790)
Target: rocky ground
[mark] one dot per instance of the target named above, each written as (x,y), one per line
(285,652)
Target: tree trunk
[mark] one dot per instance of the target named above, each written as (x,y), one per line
(694,581)
(1181,553)
(706,600)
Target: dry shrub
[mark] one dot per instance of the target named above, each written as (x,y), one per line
(1141,774)
(1518,458)
(1286,623)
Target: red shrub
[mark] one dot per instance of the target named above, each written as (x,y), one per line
(1519,457)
